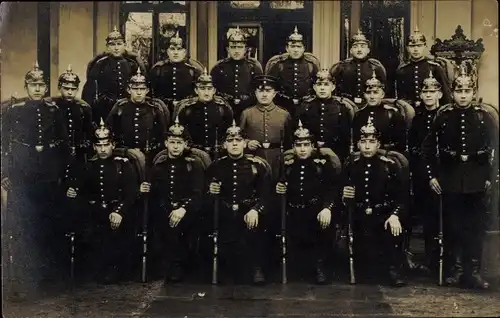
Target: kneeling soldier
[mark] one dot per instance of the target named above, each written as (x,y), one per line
(176,188)
(105,189)
(242,183)
(373,185)
(309,182)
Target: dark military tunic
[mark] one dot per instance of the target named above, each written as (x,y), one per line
(388,121)
(202,120)
(233,79)
(329,121)
(135,125)
(351,75)
(411,75)
(172,82)
(107,82)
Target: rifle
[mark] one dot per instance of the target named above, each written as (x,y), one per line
(350,233)
(215,233)
(145,216)
(71,237)
(440,237)
(282,235)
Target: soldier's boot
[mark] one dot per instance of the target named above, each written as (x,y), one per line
(456,273)
(258,276)
(395,277)
(414,266)
(472,278)
(175,273)
(320,272)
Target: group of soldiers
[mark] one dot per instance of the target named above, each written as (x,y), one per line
(292,150)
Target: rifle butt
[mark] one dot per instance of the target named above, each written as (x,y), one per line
(214,270)
(144,257)
(351,270)
(440,278)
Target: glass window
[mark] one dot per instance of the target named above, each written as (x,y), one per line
(139,34)
(287,5)
(245,4)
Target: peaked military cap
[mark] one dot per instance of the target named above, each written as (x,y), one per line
(178,130)
(69,79)
(369,130)
(416,37)
(302,133)
(324,76)
(35,76)
(431,83)
(115,35)
(102,135)
(260,81)
(236,35)
(464,80)
(295,36)
(374,83)
(234,131)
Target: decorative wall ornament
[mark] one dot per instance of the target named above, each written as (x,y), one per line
(493,28)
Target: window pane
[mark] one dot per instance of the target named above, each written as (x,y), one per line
(139,33)
(288,5)
(245,4)
(169,24)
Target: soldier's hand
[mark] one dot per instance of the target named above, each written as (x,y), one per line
(487,185)
(176,216)
(348,193)
(281,188)
(395,225)
(71,193)
(253,145)
(435,185)
(145,187)
(214,187)
(251,219)
(324,218)
(115,219)
(6,184)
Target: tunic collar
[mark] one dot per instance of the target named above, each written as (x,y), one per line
(268,108)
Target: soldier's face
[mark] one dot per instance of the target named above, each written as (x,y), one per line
(295,49)
(205,93)
(324,89)
(36,91)
(303,149)
(463,97)
(176,53)
(175,146)
(68,92)
(116,48)
(265,95)
(416,51)
(104,150)
(236,50)
(235,146)
(138,93)
(360,50)
(374,96)
(368,146)
(431,98)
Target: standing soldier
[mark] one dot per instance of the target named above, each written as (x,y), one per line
(205,116)
(242,183)
(77,114)
(173,79)
(233,75)
(295,71)
(387,118)
(176,187)
(373,185)
(267,125)
(327,118)
(105,190)
(465,137)
(35,150)
(410,75)
(310,182)
(107,76)
(138,121)
(352,73)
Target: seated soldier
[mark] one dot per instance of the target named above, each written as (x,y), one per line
(373,186)
(310,184)
(176,187)
(105,192)
(242,183)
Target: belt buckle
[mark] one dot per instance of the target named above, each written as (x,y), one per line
(321,143)
(266,144)
(295,101)
(104,205)
(464,158)
(358,100)
(39,148)
(369,211)
(235,207)
(236,101)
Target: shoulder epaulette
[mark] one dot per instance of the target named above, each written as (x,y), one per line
(319,161)
(390,107)
(82,103)
(188,101)
(347,60)
(224,60)
(50,102)
(403,64)
(159,63)
(289,161)
(18,104)
(94,158)
(189,159)
(121,101)
(220,100)
(309,98)
(102,59)
(255,159)
(432,62)
(253,61)
(121,158)
(385,159)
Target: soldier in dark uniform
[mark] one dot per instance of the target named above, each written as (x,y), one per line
(411,74)
(312,196)
(173,79)
(104,192)
(373,185)
(328,119)
(462,136)
(352,73)
(34,153)
(136,121)
(425,202)
(295,73)
(387,118)
(266,125)
(108,75)
(233,75)
(176,188)
(242,183)
(206,115)
(77,113)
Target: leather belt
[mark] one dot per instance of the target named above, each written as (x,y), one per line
(303,205)
(39,147)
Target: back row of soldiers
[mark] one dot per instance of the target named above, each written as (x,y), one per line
(45,136)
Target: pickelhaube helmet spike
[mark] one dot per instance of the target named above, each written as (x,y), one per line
(369,129)
(324,76)
(69,70)
(102,133)
(295,36)
(431,83)
(416,37)
(176,40)
(234,131)
(68,78)
(35,75)
(374,82)
(236,35)
(138,78)
(36,67)
(359,37)
(114,35)
(301,133)
(177,130)
(204,79)
(464,80)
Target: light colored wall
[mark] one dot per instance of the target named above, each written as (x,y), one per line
(326,32)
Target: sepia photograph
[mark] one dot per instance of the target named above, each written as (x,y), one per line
(306,158)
